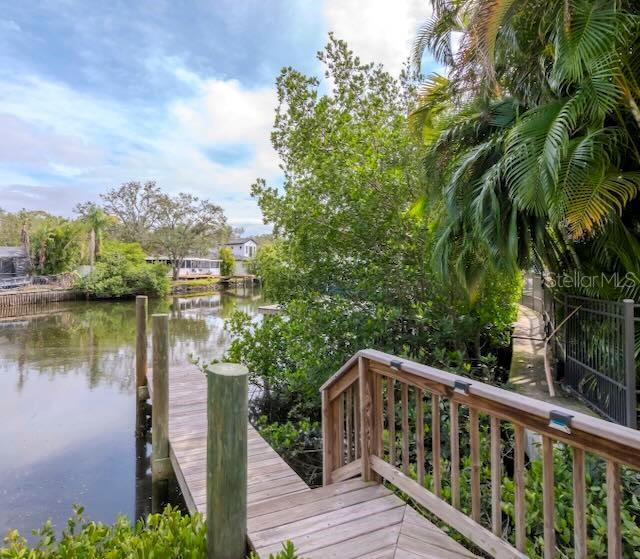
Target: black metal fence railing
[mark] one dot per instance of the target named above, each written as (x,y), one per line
(595,351)
(599,355)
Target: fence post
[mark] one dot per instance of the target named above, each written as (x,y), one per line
(160,465)
(227,418)
(630,362)
(365,382)
(141,347)
(327,439)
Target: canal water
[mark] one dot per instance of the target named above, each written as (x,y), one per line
(67,403)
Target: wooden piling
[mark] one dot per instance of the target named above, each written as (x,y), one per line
(160,464)
(141,347)
(227,420)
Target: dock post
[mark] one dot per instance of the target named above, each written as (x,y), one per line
(141,347)
(227,424)
(160,464)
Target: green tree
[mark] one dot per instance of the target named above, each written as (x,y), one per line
(136,207)
(533,136)
(96,221)
(228,262)
(351,175)
(351,260)
(56,247)
(186,225)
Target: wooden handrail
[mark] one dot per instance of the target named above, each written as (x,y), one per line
(373,414)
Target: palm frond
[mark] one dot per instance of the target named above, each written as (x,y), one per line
(487,19)
(590,34)
(603,192)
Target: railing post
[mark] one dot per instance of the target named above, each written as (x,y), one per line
(327,439)
(366,416)
(227,418)
(630,362)
(160,465)
(141,347)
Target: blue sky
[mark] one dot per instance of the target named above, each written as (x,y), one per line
(93,94)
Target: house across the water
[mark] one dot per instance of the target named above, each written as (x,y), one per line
(243,249)
(191,267)
(13,261)
(14,266)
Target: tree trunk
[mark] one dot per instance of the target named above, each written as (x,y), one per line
(98,237)
(92,247)
(26,245)
(176,271)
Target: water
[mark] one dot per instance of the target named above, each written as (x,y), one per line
(67,403)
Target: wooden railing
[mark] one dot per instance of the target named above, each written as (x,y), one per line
(373,412)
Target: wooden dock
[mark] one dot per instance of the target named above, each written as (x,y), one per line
(347,519)
(373,415)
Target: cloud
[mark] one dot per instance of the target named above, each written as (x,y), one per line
(9,26)
(92,97)
(67,144)
(377,30)
(25,143)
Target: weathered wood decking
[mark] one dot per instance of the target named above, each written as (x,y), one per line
(346,520)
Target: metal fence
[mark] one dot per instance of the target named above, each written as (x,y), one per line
(11,280)
(594,349)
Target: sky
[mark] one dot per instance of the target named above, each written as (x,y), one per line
(94,94)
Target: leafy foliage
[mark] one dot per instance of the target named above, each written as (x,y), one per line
(533,135)
(288,552)
(228,261)
(135,207)
(169,535)
(186,225)
(351,262)
(299,443)
(174,226)
(123,271)
(95,221)
(56,248)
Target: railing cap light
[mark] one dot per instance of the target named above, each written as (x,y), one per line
(461,386)
(396,365)
(560,420)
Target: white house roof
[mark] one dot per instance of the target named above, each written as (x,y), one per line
(241,241)
(12,252)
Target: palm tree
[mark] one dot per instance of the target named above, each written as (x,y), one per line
(96,221)
(533,137)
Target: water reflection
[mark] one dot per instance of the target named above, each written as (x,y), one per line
(67,405)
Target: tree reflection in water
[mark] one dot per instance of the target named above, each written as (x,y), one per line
(68,406)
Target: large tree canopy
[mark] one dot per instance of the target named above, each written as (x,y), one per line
(186,226)
(351,259)
(351,175)
(534,134)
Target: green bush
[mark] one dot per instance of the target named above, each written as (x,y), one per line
(170,535)
(297,351)
(122,271)
(228,261)
(595,477)
(299,443)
